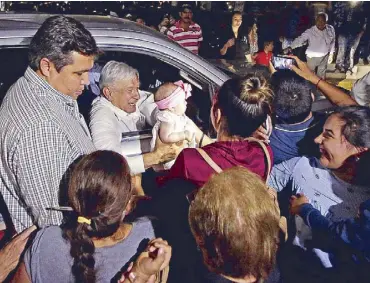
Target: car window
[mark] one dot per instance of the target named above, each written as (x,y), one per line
(153,73)
(14,63)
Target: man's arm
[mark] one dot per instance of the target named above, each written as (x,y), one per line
(332,44)
(42,156)
(21,276)
(200,37)
(301,40)
(331,92)
(162,153)
(11,253)
(170,33)
(106,135)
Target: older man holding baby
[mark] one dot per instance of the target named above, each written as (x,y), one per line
(123,108)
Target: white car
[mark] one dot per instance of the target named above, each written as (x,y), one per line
(157,58)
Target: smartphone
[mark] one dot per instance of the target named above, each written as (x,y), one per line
(282,63)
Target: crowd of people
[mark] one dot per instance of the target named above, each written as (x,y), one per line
(332,39)
(280,195)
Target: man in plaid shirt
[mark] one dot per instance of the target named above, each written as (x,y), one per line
(41,130)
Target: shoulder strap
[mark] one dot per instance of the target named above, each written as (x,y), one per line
(209,160)
(282,222)
(267,154)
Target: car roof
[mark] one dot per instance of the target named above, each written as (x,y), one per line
(9,21)
(17,29)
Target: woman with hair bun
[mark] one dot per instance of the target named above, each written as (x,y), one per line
(94,243)
(239,108)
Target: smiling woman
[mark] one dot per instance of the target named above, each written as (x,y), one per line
(336,183)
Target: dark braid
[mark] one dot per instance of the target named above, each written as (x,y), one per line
(82,250)
(99,190)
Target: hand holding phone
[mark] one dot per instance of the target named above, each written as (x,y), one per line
(282,63)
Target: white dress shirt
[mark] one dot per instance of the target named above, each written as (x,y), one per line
(108,122)
(319,42)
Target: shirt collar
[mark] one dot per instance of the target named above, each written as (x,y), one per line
(177,24)
(326,27)
(117,111)
(35,79)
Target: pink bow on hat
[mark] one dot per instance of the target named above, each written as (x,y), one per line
(185,87)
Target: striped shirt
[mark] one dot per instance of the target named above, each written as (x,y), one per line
(188,39)
(41,134)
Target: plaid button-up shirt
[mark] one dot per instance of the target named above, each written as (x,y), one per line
(41,134)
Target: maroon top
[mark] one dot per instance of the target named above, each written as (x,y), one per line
(191,166)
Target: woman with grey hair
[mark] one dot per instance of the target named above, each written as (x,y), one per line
(121,108)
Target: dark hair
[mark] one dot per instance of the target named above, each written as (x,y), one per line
(99,190)
(267,42)
(292,97)
(186,5)
(260,70)
(244,104)
(356,130)
(57,37)
(236,13)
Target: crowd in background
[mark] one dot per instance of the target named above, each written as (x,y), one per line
(349,20)
(280,194)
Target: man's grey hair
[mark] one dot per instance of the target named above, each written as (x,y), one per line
(324,15)
(115,71)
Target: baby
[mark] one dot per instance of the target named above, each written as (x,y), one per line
(172,124)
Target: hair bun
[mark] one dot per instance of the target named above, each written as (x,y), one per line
(255,90)
(253,84)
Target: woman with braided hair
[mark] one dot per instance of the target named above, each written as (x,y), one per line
(94,243)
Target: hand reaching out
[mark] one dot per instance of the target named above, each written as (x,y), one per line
(156,257)
(331,57)
(263,133)
(303,70)
(10,254)
(167,152)
(296,202)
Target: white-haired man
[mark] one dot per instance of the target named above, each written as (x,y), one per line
(121,108)
(321,45)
